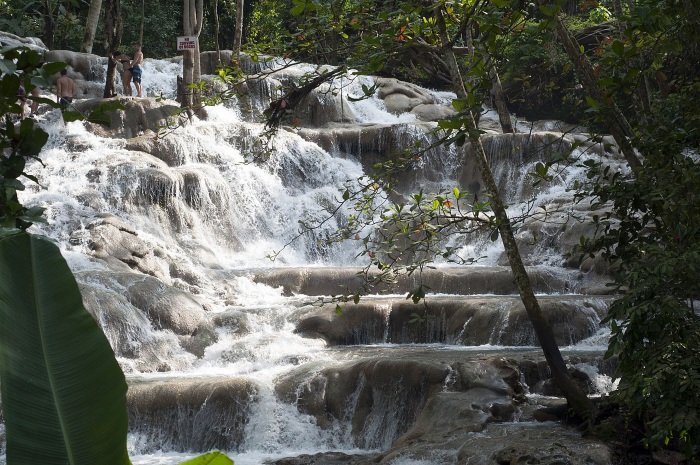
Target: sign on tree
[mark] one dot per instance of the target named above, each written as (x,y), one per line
(186,43)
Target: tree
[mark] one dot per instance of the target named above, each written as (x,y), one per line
(649,232)
(572,391)
(143,20)
(375,40)
(216,32)
(49,7)
(93,18)
(238,33)
(615,121)
(193,17)
(113,33)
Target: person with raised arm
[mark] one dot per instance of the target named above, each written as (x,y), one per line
(120,57)
(136,68)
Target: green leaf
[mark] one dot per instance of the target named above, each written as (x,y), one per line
(70,116)
(592,103)
(7,67)
(618,48)
(101,114)
(548,10)
(211,458)
(63,393)
(459,104)
(338,309)
(416,294)
(32,139)
(54,67)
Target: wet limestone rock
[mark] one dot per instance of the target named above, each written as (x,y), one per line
(166,307)
(191,414)
(8,39)
(357,324)
(140,115)
(462,320)
(380,397)
(532,443)
(403,97)
(115,242)
(131,308)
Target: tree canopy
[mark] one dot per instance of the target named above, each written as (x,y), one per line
(626,70)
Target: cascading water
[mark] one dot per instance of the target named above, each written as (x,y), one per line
(220,345)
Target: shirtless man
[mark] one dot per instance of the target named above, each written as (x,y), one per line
(65,90)
(136,68)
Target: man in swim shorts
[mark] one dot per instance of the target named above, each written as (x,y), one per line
(136,68)
(65,90)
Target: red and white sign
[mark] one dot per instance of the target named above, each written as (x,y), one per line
(186,43)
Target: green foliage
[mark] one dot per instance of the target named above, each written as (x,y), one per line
(24,142)
(27,18)
(651,231)
(652,234)
(162,25)
(63,393)
(267,24)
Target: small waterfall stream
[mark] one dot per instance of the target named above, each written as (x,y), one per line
(223,349)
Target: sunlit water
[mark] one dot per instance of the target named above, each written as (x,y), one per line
(224,216)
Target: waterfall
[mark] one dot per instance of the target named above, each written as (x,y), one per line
(224,348)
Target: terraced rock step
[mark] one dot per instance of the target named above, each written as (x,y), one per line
(401,399)
(326,281)
(457,320)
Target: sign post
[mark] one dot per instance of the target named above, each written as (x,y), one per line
(186,43)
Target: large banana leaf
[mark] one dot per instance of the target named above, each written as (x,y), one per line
(63,393)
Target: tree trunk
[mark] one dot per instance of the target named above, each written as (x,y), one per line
(615,121)
(216,32)
(192,22)
(143,20)
(577,399)
(113,33)
(499,97)
(238,33)
(49,25)
(93,18)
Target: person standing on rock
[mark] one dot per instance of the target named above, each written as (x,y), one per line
(65,90)
(120,57)
(22,97)
(136,68)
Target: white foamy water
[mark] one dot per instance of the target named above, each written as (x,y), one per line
(212,216)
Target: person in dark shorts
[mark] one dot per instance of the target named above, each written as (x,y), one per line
(22,97)
(136,68)
(65,90)
(35,105)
